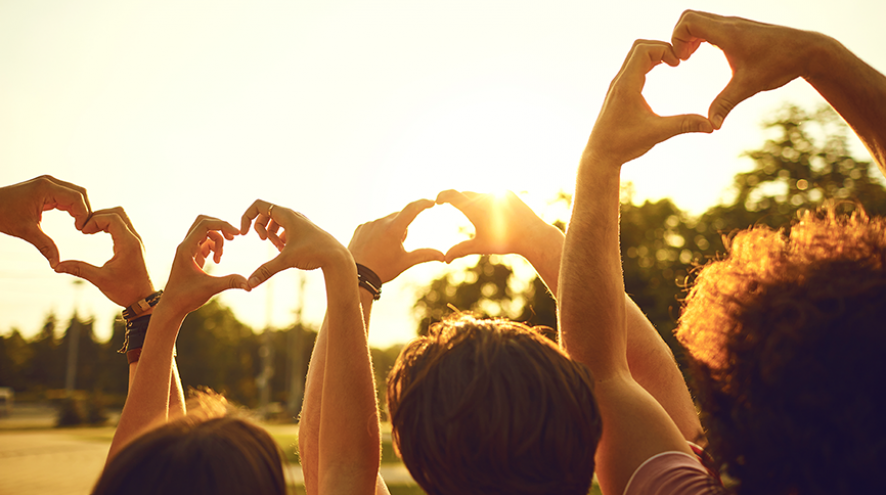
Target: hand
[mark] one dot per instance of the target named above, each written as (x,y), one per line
(189,287)
(22,206)
(503,224)
(378,245)
(301,244)
(762,56)
(124,278)
(627,128)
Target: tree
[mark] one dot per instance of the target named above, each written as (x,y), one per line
(486,290)
(807,163)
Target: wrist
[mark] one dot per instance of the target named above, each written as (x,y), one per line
(540,240)
(823,54)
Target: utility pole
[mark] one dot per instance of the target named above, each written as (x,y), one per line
(73,342)
(296,386)
(266,351)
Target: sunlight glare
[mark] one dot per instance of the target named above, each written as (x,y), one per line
(691,86)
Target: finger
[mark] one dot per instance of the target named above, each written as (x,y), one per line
(218,245)
(200,232)
(42,242)
(669,127)
(267,271)
(278,241)
(423,256)
(733,94)
(118,210)
(90,273)
(645,56)
(202,252)
(67,197)
(258,207)
(408,214)
(221,284)
(111,222)
(464,248)
(692,28)
(458,199)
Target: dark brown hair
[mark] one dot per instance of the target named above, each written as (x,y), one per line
(197,454)
(787,337)
(491,406)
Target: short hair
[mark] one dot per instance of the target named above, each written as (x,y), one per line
(203,452)
(491,406)
(787,337)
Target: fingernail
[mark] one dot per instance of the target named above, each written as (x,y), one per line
(705,127)
(717,121)
(254,281)
(245,287)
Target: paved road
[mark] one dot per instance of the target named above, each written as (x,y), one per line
(47,461)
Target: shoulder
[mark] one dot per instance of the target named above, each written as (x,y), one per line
(673,472)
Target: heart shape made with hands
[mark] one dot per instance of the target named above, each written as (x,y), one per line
(439,227)
(72,244)
(692,87)
(242,255)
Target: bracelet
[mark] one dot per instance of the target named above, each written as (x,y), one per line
(134,337)
(141,306)
(367,279)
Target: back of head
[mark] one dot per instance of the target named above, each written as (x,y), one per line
(197,455)
(490,406)
(787,337)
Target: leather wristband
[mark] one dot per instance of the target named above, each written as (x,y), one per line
(140,307)
(135,334)
(367,279)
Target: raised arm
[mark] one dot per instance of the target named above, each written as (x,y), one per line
(342,438)
(505,225)
(188,288)
(22,206)
(764,57)
(123,279)
(378,245)
(592,305)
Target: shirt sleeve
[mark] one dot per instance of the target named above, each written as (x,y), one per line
(671,473)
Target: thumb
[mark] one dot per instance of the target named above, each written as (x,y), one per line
(461,249)
(266,271)
(423,256)
(234,281)
(682,124)
(90,273)
(42,242)
(732,95)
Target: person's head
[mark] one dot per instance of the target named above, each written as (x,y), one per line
(787,338)
(491,406)
(203,452)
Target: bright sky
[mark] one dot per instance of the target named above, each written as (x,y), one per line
(345,111)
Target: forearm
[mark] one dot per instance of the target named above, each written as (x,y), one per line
(176,391)
(148,401)
(591,285)
(349,444)
(855,89)
(546,254)
(176,394)
(653,367)
(309,422)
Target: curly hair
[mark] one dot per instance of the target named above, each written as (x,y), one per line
(491,406)
(787,337)
(203,452)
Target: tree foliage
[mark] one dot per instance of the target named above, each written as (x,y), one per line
(806,163)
